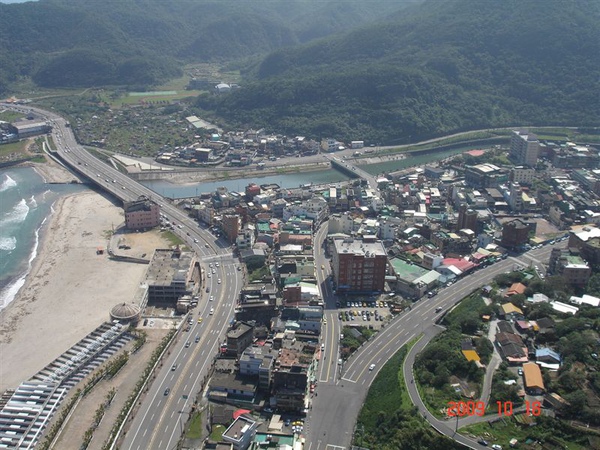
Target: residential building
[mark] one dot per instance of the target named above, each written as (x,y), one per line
(524,148)
(239,338)
(532,379)
(522,175)
(141,214)
(467,218)
(485,176)
(246,238)
(359,265)
(515,233)
(258,361)
(231,225)
(314,208)
(241,432)
(572,268)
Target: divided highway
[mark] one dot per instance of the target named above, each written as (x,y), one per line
(342,389)
(158,421)
(331,422)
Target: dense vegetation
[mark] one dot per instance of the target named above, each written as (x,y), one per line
(70,43)
(436,68)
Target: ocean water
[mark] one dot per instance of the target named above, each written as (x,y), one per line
(25,204)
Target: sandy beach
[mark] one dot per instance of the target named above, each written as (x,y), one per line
(70,290)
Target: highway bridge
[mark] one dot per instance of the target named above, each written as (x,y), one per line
(341,392)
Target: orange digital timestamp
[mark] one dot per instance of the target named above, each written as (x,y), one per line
(472,408)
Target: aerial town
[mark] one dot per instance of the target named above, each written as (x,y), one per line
(376,247)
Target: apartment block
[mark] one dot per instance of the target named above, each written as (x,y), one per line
(359,265)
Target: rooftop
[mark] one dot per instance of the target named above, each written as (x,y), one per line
(169,266)
(360,247)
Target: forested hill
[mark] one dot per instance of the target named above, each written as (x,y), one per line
(438,67)
(67,43)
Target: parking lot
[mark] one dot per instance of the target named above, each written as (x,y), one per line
(370,313)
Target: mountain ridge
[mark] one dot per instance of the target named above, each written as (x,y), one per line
(36,37)
(434,68)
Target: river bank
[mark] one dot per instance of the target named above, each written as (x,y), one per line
(228,173)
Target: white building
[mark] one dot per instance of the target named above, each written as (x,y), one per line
(315,208)
(240,433)
(586,300)
(342,223)
(524,148)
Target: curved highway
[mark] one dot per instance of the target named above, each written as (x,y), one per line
(336,407)
(159,419)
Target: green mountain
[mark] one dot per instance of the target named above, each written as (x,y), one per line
(82,43)
(437,67)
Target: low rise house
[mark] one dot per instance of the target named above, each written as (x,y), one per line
(532,379)
(516,288)
(547,355)
(510,311)
(512,348)
(468,350)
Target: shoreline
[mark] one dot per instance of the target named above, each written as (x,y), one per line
(68,291)
(11,290)
(195,177)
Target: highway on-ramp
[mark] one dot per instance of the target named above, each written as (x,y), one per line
(330,424)
(341,392)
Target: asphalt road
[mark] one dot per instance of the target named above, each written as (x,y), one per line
(331,421)
(159,419)
(335,408)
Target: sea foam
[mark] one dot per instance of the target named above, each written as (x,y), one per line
(9,293)
(8,243)
(17,214)
(7,184)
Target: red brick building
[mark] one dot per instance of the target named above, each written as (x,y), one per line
(359,265)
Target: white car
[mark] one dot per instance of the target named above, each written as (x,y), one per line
(212,310)
(371,367)
(211,298)
(219,281)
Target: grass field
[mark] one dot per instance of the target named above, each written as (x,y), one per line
(194,430)
(388,391)
(10,116)
(502,431)
(153,97)
(14,148)
(217,433)
(172,238)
